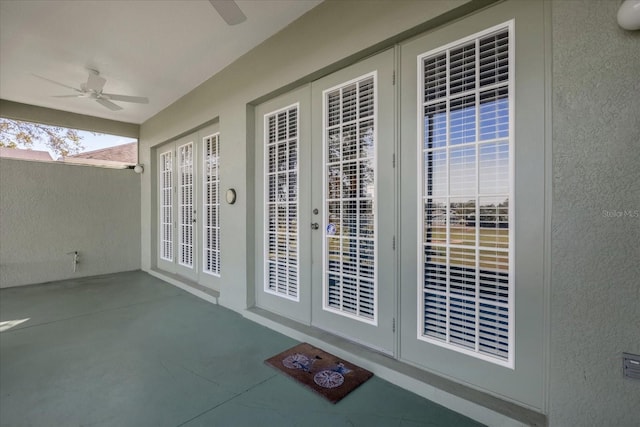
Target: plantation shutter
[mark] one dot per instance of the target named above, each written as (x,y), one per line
(466,149)
(281,188)
(166,206)
(185,205)
(350,174)
(211,222)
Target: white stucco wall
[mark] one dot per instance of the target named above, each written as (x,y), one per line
(595,294)
(50,209)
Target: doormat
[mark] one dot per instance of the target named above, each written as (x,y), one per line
(328,375)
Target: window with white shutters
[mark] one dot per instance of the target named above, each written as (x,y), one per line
(349,199)
(466,146)
(166,205)
(211,204)
(185,205)
(281,207)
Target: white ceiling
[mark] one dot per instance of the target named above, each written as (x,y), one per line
(161,49)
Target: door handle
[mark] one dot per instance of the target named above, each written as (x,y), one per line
(315,226)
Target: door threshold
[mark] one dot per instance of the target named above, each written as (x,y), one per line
(190,286)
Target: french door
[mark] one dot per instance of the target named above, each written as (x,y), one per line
(353,190)
(177,209)
(465,281)
(283,200)
(188,206)
(325,163)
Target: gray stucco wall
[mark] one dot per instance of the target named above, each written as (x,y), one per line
(50,209)
(594,302)
(595,295)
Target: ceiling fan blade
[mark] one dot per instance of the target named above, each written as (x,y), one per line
(110,105)
(95,83)
(127,98)
(229,11)
(66,96)
(57,83)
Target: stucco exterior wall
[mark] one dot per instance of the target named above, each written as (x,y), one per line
(50,209)
(594,300)
(595,290)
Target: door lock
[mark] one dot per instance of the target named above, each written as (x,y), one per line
(315,226)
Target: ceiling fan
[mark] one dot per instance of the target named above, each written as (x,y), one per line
(229,11)
(92,89)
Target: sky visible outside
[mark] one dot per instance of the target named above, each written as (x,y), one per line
(466,152)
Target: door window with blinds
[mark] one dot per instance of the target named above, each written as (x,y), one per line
(166,205)
(185,205)
(211,204)
(349,200)
(466,193)
(281,243)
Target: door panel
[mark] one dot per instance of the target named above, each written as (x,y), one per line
(186,207)
(166,191)
(208,227)
(177,208)
(210,205)
(353,186)
(283,249)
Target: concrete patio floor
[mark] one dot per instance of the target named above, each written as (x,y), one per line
(128,349)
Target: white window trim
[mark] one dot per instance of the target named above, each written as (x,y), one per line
(325,302)
(510,361)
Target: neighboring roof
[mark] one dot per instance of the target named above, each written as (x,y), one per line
(118,157)
(125,153)
(18,153)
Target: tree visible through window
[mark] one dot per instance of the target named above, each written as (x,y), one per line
(37,141)
(350,201)
(27,135)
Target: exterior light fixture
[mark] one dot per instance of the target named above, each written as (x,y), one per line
(231,196)
(138,168)
(629,15)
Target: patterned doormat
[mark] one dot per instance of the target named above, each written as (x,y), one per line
(324,373)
